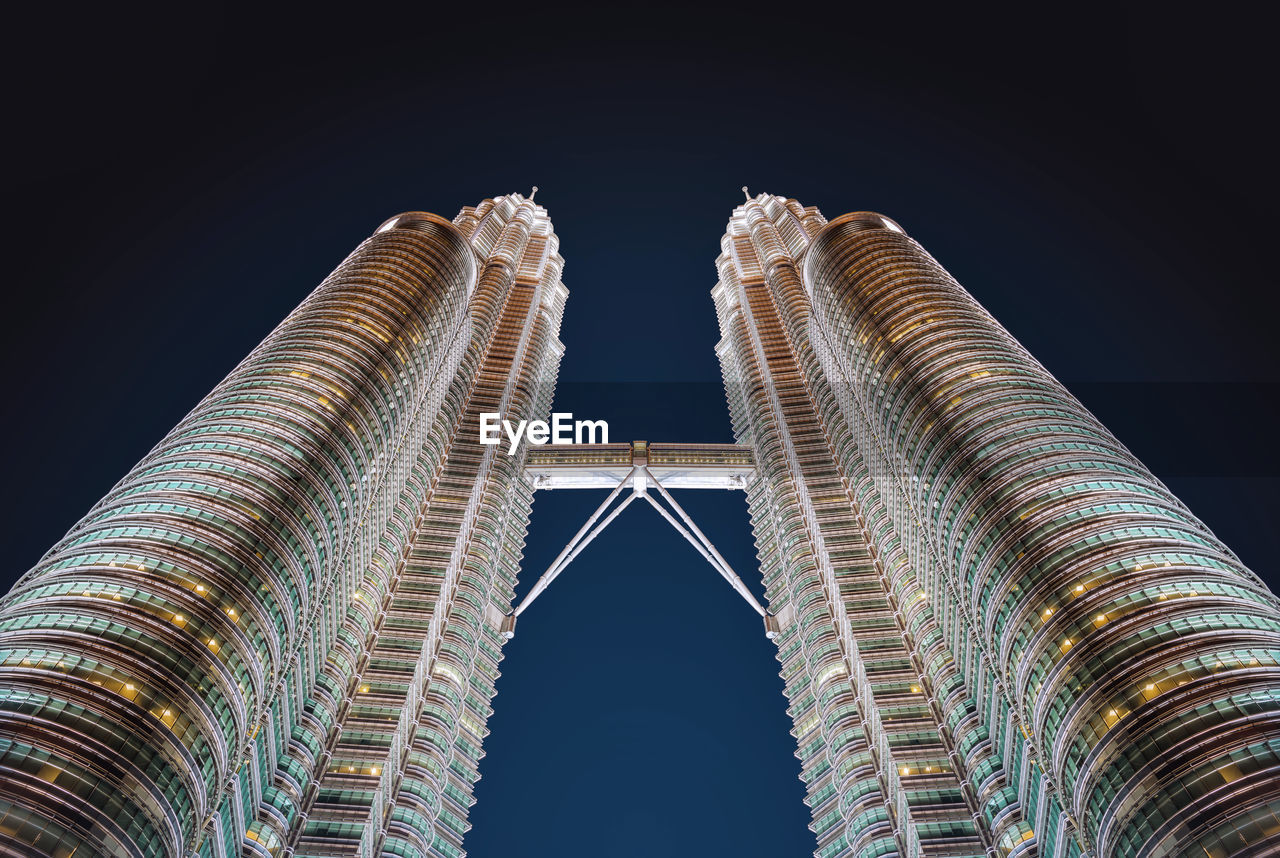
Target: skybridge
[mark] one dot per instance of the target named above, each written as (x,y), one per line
(640,471)
(675,466)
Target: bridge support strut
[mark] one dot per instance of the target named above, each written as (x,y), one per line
(639,478)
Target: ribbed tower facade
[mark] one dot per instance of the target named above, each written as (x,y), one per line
(278,634)
(1000,634)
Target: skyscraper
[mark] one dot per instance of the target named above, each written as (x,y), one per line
(999,633)
(278,634)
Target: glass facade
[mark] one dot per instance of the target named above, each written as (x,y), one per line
(1001,634)
(278,634)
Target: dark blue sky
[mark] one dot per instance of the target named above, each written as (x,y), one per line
(1101,179)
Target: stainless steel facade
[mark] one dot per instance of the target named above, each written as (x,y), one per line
(1000,634)
(278,634)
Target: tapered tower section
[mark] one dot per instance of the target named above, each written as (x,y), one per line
(278,634)
(885,771)
(1124,660)
(1000,633)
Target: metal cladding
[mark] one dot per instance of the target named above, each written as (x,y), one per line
(277,635)
(1000,634)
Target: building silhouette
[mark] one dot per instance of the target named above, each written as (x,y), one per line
(999,634)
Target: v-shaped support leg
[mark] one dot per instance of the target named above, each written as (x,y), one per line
(699,541)
(639,479)
(580,540)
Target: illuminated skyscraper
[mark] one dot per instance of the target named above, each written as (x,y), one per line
(278,634)
(1000,634)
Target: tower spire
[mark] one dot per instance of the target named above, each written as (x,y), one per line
(746,193)
(533,192)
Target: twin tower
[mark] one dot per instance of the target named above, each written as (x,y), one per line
(1000,635)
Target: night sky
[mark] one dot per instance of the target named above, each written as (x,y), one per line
(1102,180)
